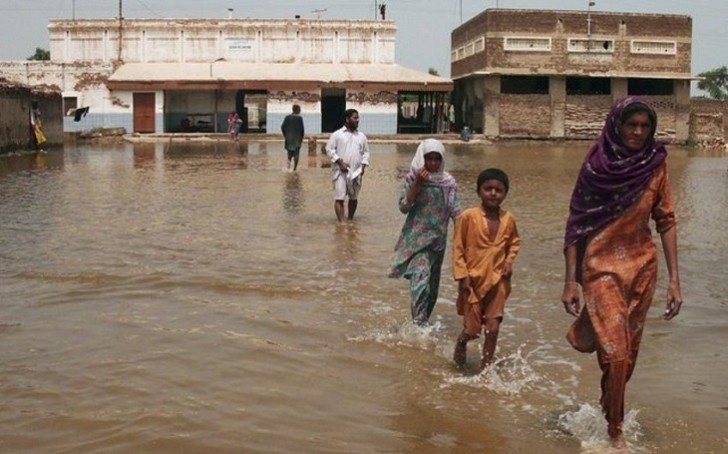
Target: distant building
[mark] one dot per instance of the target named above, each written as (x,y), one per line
(555,74)
(177,75)
(15,104)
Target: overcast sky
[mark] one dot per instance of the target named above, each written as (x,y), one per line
(423,26)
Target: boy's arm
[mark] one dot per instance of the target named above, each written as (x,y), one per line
(459,265)
(514,243)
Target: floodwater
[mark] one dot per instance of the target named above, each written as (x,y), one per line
(190,298)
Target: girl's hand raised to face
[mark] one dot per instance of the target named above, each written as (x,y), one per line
(423,175)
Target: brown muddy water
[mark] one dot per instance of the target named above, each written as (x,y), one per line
(172,298)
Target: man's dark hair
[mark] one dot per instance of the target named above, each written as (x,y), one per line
(296,109)
(349,113)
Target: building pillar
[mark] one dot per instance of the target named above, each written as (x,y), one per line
(619,89)
(682,110)
(491,106)
(557,92)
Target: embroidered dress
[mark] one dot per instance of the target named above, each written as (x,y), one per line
(616,194)
(420,249)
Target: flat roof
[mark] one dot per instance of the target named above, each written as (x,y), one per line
(231,75)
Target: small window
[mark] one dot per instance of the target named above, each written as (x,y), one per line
(654,47)
(453,56)
(480,45)
(591,45)
(588,86)
(525,85)
(527,44)
(654,87)
(70,103)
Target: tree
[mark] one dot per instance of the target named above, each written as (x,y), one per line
(715,82)
(40,54)
(433,72)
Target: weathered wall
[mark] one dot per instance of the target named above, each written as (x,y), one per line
(620,28)
(709,122)
(15,105)
(525,115)
(84,81)
(205,40)
(585,115)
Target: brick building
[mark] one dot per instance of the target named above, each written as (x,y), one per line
(177,75)
(555,74)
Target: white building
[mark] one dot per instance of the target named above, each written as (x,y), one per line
(173,75)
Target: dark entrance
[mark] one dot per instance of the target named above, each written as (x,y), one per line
(421,112)
(333,106)
(251,107)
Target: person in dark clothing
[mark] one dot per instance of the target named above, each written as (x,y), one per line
(292,129)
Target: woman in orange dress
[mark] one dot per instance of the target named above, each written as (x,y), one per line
(609,249)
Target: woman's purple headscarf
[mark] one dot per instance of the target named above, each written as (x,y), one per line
(612,177)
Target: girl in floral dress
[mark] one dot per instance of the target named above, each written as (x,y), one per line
(429,199)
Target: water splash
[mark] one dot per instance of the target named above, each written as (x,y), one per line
(404,334)
(510,375)
(587,424)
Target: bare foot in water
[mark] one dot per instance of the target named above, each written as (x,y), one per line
(619,445)
(460,354)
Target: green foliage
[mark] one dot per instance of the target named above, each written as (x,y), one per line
(715,82)
(40,54)
(433,72)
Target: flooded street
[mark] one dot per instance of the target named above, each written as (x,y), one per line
(198,298)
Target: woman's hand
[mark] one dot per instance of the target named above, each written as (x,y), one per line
(674,301)
(570,298)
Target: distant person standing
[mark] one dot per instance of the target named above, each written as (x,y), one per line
(292,129)
(234,125)
(348,150)
(37,139)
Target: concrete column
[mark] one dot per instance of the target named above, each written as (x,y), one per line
(557,92)
(619,88)
(491,103)
(682,110)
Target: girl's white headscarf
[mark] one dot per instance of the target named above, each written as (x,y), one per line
(440,177)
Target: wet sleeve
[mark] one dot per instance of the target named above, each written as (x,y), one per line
(664,210)
(514,242)
(404,207)
(459,265)
(365,156)
(457,207)
(331,148)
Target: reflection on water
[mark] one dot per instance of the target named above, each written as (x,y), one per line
(196,297)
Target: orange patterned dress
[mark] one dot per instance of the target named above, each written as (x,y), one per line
(619,274)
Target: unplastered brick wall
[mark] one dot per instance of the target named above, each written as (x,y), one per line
(584,116)
(559,26)
(525,115)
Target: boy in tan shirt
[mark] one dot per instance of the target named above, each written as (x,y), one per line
(485,244)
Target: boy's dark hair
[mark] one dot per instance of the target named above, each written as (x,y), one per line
(296,109)
(492,174)
(350,112)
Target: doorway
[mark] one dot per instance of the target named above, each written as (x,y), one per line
(143,105)
(251,106)
(333,106)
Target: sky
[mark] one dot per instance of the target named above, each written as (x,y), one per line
(423,26)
